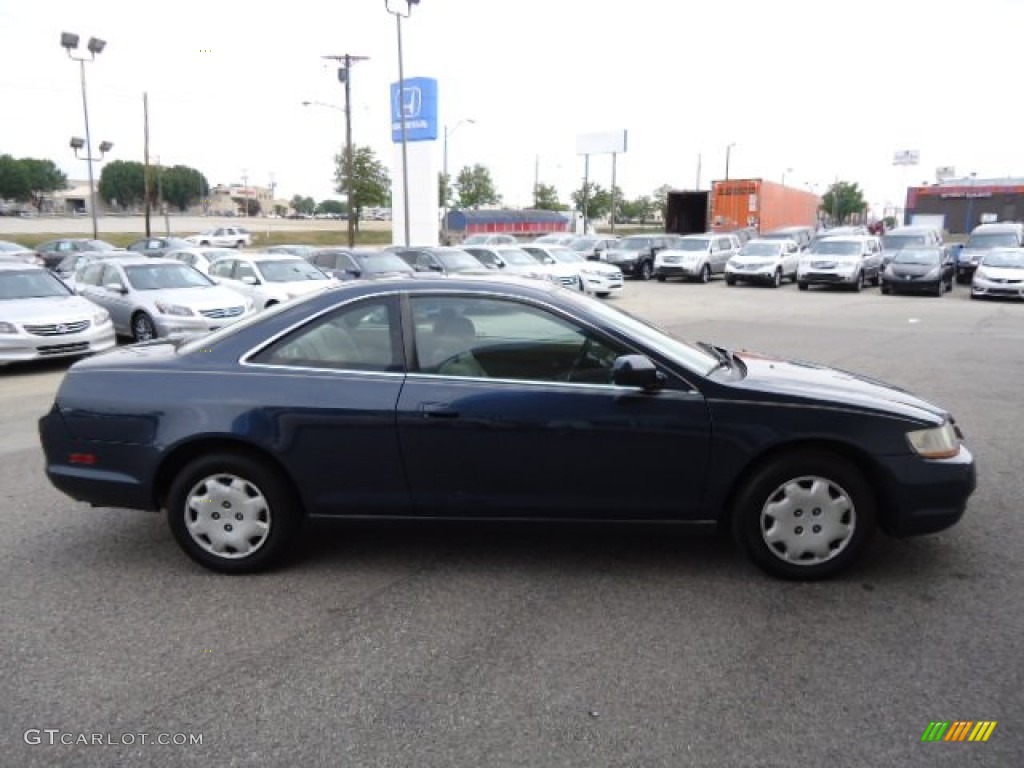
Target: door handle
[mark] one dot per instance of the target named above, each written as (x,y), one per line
(438,411)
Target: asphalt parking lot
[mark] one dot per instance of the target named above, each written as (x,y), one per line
(397,645)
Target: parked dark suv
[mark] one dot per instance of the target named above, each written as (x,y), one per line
(634,254)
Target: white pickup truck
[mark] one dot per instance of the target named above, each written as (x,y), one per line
(222,237)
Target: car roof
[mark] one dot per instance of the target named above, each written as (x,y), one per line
(775,241)
(11,266)
(259,256)
(131,260)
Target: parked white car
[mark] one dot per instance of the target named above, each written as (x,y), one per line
(764,261)
(200,258)
(270,278)
(513,260)
(42,318)
(595,277)
(222,237)
(696,257)
(1000,274)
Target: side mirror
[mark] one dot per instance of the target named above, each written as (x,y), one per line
(437,268)
(116,288)
(636,371)
(250,280)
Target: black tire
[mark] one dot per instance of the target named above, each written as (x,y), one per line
(143,327)
(240,244)
(603,295)
(876,280)
(270,303)
(275,517)
(705,274)
(777,278)
(886,289)
(795,473)
(661,278)
(858,284)
(940,289)
(802,286)
(730,280)
(646,270)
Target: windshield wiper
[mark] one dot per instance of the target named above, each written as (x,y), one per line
(726,359)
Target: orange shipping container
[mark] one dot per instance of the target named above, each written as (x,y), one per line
(761,204)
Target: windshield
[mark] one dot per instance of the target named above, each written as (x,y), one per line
(383,262)
(289,271)
(896,242)
(918,256)
(30,284)
(833,248)
(476,240)
(691,244)
(1011,259)
(457,260)
(517,256)
(584,243)
(686,355)
(565,256)
(986,240)
(540,255)
(633,244)
(156,277)
(760,249)
(5,246)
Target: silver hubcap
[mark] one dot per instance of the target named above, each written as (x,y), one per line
(227,516)
(808,520)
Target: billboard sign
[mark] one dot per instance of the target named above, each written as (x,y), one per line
(906,157)
(944,173)
(606,143)
(419,104)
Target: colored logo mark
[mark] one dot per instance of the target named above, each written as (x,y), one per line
(958,730)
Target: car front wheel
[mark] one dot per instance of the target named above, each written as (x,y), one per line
(805,515)
(645,271)
(232,513)
(705,274)
(143,328)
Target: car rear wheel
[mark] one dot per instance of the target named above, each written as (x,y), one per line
(232,513)
(646,271)
(239,244)
(730,280)
(940,288)
(805,515)
(802,286)
(661,278)
(143,328)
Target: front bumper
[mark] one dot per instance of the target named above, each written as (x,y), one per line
(759,275)
(982,287)
(25,347)
(678,268)
(168,325)
(921,496)
(603,283)
(902,285)
(826,278)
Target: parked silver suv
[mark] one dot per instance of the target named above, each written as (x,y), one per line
(697,257)
(847,261)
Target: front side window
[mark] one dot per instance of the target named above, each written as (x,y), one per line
(222,268)
(362,337)
(506,339)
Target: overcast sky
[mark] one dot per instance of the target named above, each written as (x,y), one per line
(827,90)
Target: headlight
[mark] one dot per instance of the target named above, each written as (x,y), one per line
(932,273)
(100,317)
(981,274)
(732,263)
(935,442)
(173,309)
(7,327)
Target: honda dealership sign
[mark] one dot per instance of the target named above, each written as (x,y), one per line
(419,103)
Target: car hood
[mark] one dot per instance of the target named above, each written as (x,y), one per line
(1003,273)
(50,309)
(615,254)
(833,386)
(600,268)
(748,259)
(213,297)
(303,287)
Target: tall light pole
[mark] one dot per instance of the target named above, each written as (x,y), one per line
(345,78)
(401,110)
(245,192)
(970,204)
(69,42)
(444,175)
(728,152)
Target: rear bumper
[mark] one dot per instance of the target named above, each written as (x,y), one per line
(928,496)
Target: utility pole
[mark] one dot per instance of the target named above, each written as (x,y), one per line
(698,173)
(536,180)
(145,123)
(345,78)
(245,193)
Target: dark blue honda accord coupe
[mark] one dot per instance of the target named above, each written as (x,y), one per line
(483,398)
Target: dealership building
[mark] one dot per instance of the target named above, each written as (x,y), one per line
(968,202)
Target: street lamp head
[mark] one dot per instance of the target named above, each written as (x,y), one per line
(77,143)
(106,146)
(69,41)
(96,45)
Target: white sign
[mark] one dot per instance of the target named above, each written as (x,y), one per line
(606,143)
(945,172)
(906,157)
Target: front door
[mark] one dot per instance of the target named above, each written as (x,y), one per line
(509,410)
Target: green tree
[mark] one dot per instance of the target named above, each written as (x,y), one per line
(598,200)
(371,184)
(14,180)
(183,186)
(640,209)
(444,190)
(331,208)
(44,177)
(659,200)
(476,187)
(545,198)
(123,182)
(842,200)
(305,205)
